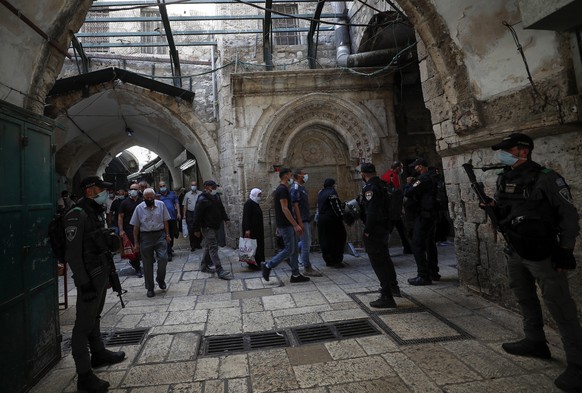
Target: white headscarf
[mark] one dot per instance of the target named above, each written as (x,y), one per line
(254,195)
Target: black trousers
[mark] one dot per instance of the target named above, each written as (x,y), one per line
(376,246)
(424,247)
(195,242)
(399,225)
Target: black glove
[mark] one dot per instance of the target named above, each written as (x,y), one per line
(88,292)
(563,258)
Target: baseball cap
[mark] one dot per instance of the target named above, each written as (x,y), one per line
(368,168)
(419,161)
(515,139)
(210,183)
(94,181)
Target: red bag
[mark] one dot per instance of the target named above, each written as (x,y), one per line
(127,252)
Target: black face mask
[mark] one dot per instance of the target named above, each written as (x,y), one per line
(149,203)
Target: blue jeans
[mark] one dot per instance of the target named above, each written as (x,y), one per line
(305,241)
(290,250)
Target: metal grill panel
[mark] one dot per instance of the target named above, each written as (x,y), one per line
(312,334)
(359,328)
(124,337)
(220,344)
(270,339)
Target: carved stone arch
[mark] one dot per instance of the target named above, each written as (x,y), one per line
(352,122)
(448,60)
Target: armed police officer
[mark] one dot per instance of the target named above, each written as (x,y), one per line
(421,193)
(376,217)
(89,247)
(535,211)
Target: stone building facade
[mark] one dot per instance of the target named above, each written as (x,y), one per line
(485,70)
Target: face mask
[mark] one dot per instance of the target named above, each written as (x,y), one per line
(133,193)
(111,196)
(506,158)
(194,188)
(163,189)
(305,177)
(101,198)
(149,202)
(214,192)
(290,181)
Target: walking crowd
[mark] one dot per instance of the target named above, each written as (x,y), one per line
(532,204)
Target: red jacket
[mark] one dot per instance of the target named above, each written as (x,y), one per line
(393,177)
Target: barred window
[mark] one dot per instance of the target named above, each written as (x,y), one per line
(286,38)
(153,26)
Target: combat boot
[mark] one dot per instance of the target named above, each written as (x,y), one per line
(384,301)
(90,383)
(525,347)
(571,379)
(106,358)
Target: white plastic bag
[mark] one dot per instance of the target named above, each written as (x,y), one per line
(184,227)
(247,248)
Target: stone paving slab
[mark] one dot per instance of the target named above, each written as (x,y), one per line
(198,304)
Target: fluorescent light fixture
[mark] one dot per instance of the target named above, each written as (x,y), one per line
(187,164)
(119,154)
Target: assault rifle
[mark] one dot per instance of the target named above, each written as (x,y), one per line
(484,200)
(116,285)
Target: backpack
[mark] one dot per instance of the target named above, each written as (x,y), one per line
(57,237)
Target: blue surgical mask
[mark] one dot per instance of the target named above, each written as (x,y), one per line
(305,177)
(101,197)
(163,189)
(194,188)
(506,158)
(133,193)
(213,192)
(290,181)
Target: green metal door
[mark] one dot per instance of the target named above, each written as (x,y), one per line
(29,325)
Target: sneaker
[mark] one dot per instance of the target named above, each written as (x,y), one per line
(416,281)
(106,358)
(529,348)
(207,269)
(223,274)
(90,383)
(309,271)
(571,379)
(266,271)
(300,278)
(162,284)
(384,301)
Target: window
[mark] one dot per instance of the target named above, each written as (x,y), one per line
(153,26)
(286,38)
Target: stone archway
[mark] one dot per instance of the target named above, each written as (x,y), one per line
(353,124)
(165,128)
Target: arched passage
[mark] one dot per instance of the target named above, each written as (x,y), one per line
(98,127)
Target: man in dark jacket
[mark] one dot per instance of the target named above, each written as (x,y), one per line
(376,218)
(208,215)
(88,254)
(422,192)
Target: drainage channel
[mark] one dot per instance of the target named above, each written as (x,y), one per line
(217,345)
(124,337)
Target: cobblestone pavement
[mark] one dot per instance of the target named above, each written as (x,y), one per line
(316,337)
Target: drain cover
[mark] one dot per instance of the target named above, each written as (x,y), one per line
(243,342)
(335,331)
(124,337)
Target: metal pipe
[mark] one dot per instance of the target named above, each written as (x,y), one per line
(214,87)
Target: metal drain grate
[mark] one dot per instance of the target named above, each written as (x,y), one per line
(243,342)
(124,337)
(335,331)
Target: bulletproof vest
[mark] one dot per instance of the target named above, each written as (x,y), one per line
(525,213)
(94,245)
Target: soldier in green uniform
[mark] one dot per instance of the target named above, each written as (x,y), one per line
(535,211)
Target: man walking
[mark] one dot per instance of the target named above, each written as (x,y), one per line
(189,204)
(209,214)
(376,219)
(300,201)
(91,262)
(534,208)
(152,235)
(421,193)
(288,229)
(173,205)
(126,209)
